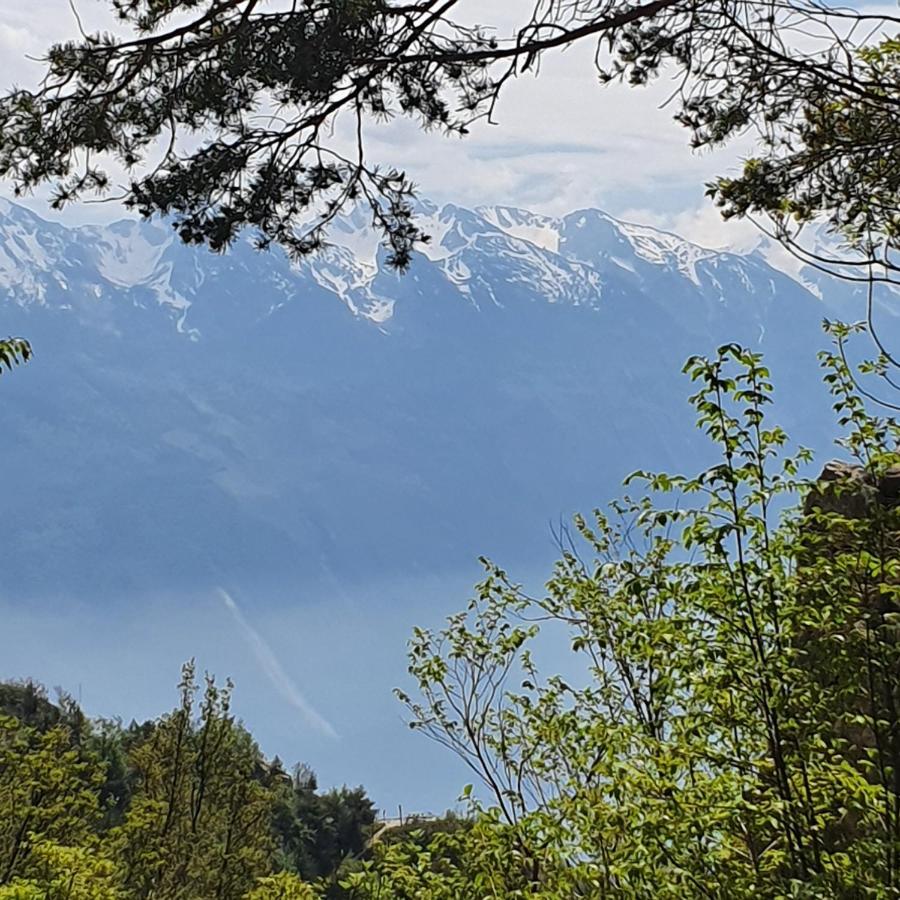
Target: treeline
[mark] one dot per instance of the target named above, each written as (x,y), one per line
(182,806)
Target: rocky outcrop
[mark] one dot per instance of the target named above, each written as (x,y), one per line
(849,490)
(851,537)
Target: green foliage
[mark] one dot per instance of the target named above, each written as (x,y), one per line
(67,873)
(462,864)
(322,834)
(48,792)
(835,159)
(28,702)
(283,886)
(110,742)
(13,352)
(730,728)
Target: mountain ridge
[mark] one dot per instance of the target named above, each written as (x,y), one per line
(200,417)
(130,255)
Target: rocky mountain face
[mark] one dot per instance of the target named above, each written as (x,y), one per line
(198,419)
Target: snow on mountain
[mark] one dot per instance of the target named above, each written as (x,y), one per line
(355,233)
(662,248)
(540,230)
(436,223)
(127,254)
(31,252)
(489,257)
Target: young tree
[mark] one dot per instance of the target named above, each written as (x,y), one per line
(199,822)
(48,794)
(729,727)
(264,86)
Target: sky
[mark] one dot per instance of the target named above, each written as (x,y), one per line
(562,141)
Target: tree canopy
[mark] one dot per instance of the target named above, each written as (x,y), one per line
(182,806)
(224,111)
(727,725)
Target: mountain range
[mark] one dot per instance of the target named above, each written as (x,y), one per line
(334,444)
(201,418)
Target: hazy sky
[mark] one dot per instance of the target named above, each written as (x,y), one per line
(562,141)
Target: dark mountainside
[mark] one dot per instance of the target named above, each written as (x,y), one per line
(196,420)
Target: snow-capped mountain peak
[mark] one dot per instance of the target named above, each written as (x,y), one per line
(492,256)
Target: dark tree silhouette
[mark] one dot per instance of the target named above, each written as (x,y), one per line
(236,102)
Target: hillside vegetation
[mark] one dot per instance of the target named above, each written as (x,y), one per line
(181,806)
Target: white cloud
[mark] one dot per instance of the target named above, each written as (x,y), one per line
(563,141)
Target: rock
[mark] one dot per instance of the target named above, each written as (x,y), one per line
(889,487)
(843,488)
(848,489)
